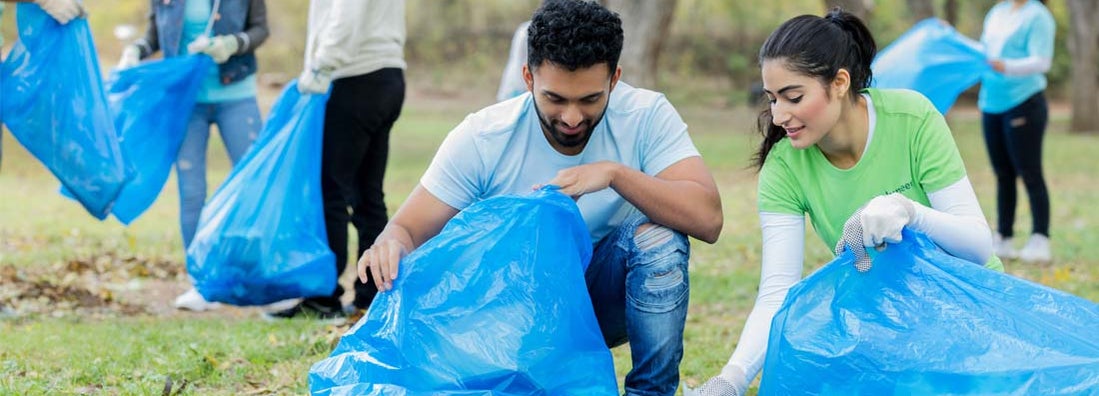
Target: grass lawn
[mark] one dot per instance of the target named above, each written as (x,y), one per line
(85,305)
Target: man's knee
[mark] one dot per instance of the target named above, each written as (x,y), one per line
(657,278)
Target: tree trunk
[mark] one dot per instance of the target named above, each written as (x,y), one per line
(1083,45)
(646,23)
(861,8)
(950,12)
(921,9)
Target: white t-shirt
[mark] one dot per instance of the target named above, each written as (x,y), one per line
(501,150)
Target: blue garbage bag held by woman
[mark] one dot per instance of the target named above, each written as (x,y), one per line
(52,100)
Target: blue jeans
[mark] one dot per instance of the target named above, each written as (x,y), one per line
(239,124)
(639,288)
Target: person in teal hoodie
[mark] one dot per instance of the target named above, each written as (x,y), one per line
(1018,39)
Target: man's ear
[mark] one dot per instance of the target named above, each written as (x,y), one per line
(528,77)
(614,78)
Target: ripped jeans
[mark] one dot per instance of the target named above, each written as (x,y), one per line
(638,285)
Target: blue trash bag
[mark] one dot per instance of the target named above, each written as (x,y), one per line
(152,104)
(923,322)
(495,304)
(261,237)
(52,99)
(933,59)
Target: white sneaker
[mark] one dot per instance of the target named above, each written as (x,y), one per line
(1003,246)
(193,301)
(1036,249)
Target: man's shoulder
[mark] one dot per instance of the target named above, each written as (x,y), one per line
(499,119)
(627,99)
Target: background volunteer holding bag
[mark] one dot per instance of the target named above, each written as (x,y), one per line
(229,32)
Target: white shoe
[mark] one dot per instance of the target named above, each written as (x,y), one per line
(1003,246)
(1036,249)
(193,301)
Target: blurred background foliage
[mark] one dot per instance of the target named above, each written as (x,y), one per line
(461,45)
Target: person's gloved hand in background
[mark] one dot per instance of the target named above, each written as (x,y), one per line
(731,382)
(220,48)
(131,56)
(62,11)
(314,81)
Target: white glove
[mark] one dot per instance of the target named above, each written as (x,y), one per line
(220,48)
(884,217)
(61,10)
(131,56)
(731,382)
(314,81)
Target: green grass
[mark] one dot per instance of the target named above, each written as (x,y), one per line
(227,354)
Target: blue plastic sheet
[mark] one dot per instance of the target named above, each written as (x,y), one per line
(496,304)
(261,237)
(922,322)
(151,104)
(52,100)
(933,59)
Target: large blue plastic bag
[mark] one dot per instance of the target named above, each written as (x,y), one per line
(933,59)
(261,237)
(922,322)
(52,100)
(495,304)
(151,104)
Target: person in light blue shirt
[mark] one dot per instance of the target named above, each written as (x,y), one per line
(623,153)
(229,31)
(1018,38)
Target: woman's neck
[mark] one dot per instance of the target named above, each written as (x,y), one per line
(845,143)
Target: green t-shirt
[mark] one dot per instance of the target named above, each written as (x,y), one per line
(911,152)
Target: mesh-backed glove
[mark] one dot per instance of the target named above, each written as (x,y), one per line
(220,48)
(314,81)
(61,10)
(731,382)
(131,56)
(880,221)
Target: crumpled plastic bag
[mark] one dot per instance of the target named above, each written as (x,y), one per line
(923,322)
(496,304)
(52,100)
(933,59)
(151,104)
(261,237)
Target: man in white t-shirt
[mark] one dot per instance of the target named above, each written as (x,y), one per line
(622,152)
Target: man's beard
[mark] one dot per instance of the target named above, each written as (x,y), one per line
(563,140)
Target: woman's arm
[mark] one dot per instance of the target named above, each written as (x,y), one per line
(782,260)
(955,222)
(255,29)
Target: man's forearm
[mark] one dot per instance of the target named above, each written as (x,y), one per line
(687,206)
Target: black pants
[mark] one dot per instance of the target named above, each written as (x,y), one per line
(1014,142)
(360,113)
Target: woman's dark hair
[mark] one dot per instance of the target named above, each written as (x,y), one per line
(817,47)
(574,34)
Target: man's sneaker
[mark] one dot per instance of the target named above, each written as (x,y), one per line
(1004,247)
(191,300)
(1036,249)
(308,308)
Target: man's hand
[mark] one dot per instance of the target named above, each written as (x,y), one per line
(584,179)
(314,81)
(220,48)
(382,260)
(731,382)
(131,56)
(61,10)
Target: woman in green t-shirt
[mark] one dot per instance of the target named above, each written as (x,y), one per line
(832,145)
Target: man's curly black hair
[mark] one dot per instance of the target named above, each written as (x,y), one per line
(574,34)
